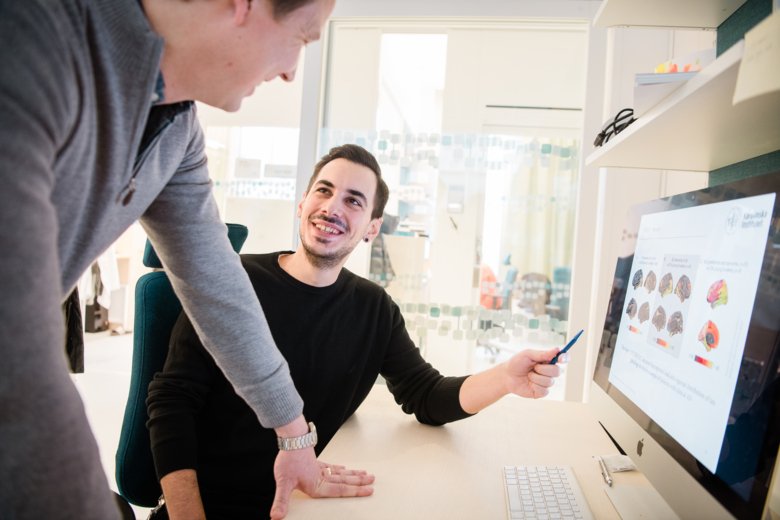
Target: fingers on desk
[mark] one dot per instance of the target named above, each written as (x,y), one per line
(346,484)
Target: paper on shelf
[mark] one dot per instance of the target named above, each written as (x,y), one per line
(759,71)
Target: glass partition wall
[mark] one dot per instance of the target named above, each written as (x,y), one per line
(253,161)
(254,173)
(476,127)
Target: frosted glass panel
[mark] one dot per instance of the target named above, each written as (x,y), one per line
(476,247)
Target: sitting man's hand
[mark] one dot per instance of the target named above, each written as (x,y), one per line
(300,469)
(530,374)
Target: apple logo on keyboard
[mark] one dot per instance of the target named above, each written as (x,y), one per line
(640,446)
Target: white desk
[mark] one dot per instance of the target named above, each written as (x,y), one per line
(454,471)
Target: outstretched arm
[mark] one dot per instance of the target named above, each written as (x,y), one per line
(182,496)
(526,374)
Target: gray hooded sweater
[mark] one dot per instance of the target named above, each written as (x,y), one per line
(81,159)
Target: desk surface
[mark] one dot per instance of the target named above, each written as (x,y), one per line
(454,471)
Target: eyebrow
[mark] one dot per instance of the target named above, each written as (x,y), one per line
(356,193)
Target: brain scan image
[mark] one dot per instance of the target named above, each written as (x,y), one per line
(637,280)
(709,336)
(718,294)
(665,286)
(631,308)
(644,312)
(675,325)
(659,318)
(683,288)
(650,282)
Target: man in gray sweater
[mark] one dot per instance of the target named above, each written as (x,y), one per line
(98,129)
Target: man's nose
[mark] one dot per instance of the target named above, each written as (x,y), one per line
(333,207)
(288,76)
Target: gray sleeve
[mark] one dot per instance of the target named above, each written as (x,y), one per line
(49,458)
(184,225)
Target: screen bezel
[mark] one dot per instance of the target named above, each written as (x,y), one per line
(757,332)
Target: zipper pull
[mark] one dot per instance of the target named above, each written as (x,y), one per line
(128,192)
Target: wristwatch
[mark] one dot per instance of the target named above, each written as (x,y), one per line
(307,440)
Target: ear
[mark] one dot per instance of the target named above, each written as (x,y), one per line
(240,11)
(373,229)
(300,204)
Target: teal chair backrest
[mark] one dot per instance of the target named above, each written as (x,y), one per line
(156,310)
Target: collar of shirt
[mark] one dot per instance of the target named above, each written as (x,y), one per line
(158,96)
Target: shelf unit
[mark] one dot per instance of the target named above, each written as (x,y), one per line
(666,13)
(697,128)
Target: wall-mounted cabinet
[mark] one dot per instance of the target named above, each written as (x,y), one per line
(698,127)
(666,13)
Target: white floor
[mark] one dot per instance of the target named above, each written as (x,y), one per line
(106,380)
(103,387)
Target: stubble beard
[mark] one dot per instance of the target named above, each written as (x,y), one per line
(324,261)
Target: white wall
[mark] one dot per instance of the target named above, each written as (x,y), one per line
(355,62)
(563,9)
(608,193)
(511,64)
(277,103)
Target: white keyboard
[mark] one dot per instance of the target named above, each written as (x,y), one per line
(544,492)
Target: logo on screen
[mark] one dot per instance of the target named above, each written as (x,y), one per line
(732,220)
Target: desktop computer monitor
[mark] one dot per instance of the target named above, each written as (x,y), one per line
(686,380)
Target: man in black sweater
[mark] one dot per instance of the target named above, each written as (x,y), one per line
(338,332)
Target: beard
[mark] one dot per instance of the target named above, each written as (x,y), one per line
(326,260)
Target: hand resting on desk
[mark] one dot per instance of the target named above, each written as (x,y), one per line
(322,480)
(327,481)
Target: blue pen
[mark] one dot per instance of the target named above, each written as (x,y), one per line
(567,347)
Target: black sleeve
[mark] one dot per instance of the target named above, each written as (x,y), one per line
(418,387)
(176,395)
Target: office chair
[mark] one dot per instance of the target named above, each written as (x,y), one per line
(156,310)
(535,289)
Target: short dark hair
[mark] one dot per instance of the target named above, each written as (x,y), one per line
(358,155)
(282,8)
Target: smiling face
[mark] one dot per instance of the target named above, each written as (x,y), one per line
(336,213)
(217,52)
(267,48)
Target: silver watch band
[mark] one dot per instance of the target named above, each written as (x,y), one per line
(306,440)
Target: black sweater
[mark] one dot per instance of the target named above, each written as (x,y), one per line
(336,340)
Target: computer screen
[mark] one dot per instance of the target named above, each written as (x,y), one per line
(686,379)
